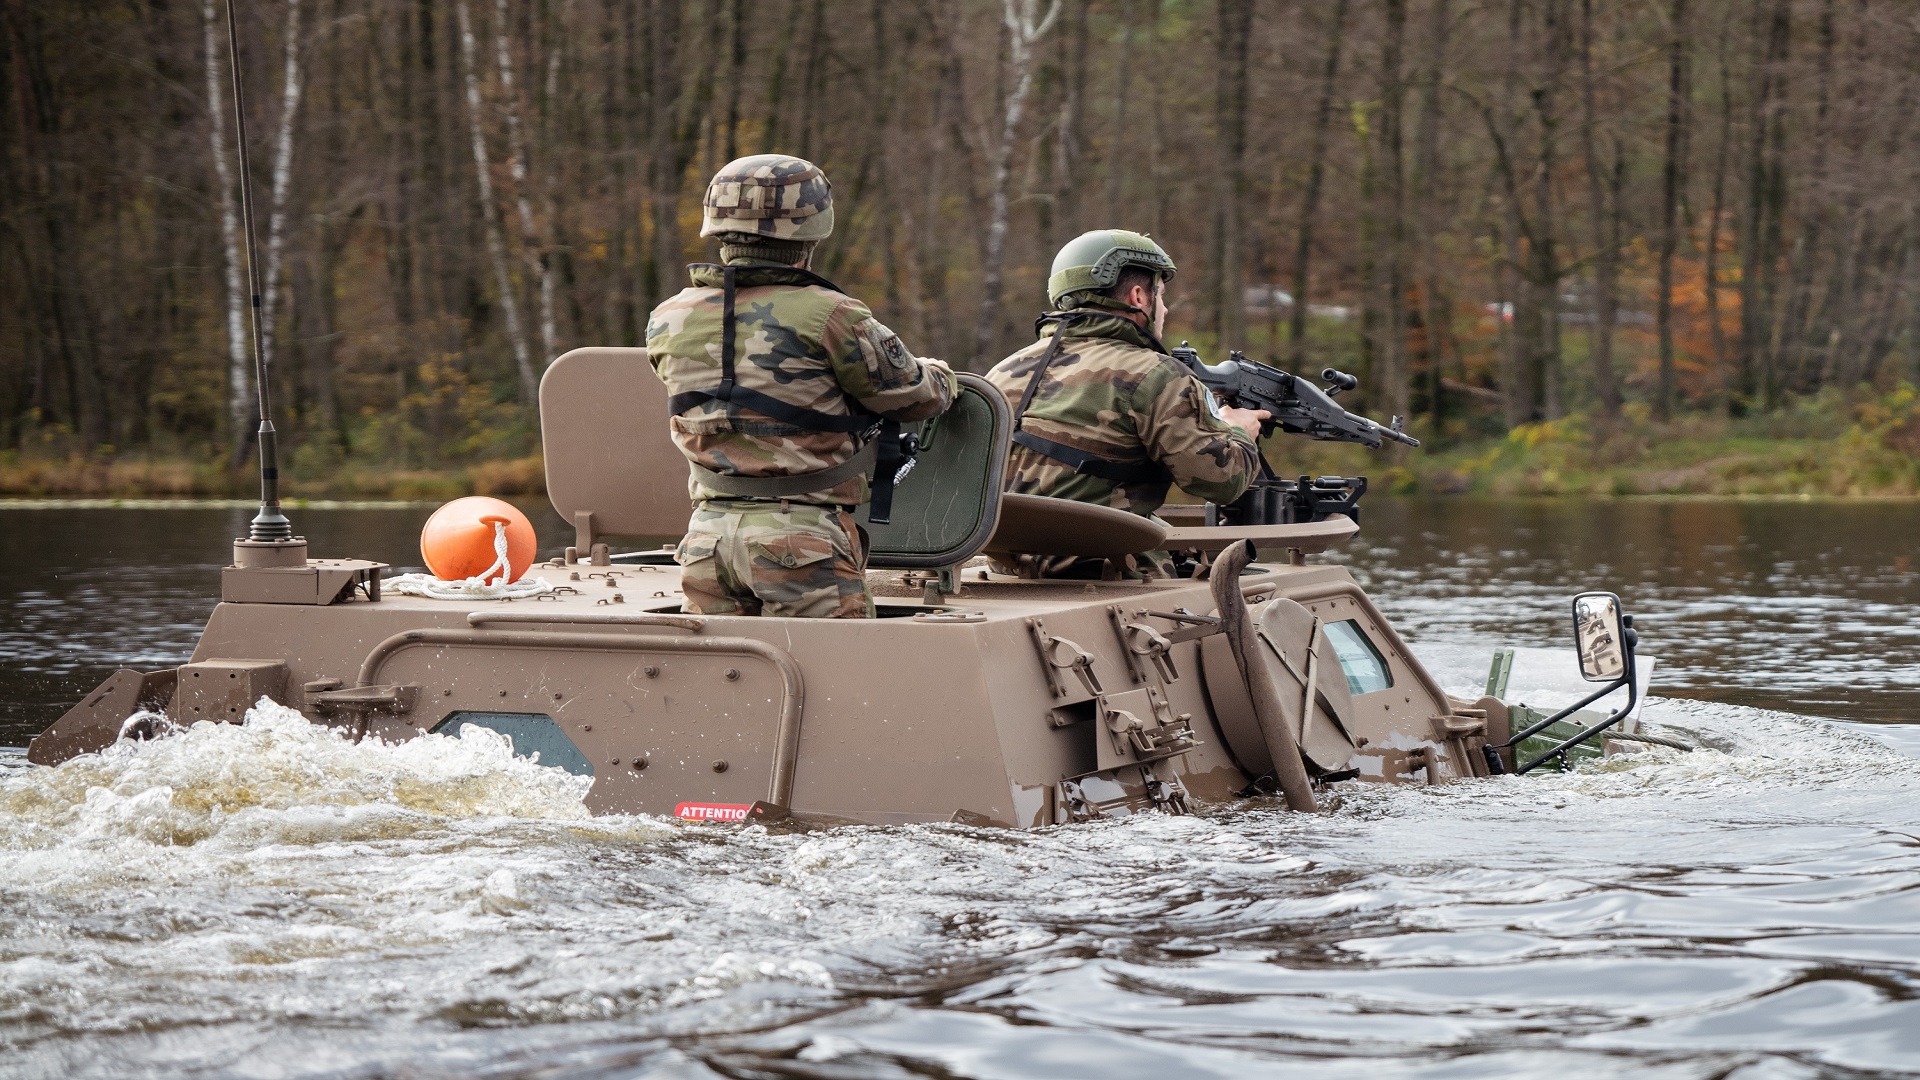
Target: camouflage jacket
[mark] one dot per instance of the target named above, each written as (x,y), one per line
(798,339)
(1111,391)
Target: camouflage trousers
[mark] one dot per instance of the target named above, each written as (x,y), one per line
(791,560)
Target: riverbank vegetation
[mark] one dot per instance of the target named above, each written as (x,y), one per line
(1581,246)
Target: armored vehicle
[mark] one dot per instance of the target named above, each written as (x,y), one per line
(982,693)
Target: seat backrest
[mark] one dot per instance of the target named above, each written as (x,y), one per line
(603,422)
(603,427)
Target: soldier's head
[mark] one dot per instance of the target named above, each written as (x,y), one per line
(770,207)
(1113,269)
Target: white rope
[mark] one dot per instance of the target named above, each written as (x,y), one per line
(476,587)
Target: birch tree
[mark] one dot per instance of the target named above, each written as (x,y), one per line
(239,374)
(490,213)
(538,251)
(282,181)
(1025,27)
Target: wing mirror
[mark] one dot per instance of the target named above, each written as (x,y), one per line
(1600,636)
(1605,639)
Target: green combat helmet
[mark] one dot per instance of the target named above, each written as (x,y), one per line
(773,196)
(1093,260)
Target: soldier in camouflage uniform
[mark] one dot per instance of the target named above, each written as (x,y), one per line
(778,382)
(1103,414)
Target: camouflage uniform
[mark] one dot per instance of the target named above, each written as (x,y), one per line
(1113,393)
(807,343)
(800,345)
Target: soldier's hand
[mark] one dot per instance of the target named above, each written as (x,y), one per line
(1247,420)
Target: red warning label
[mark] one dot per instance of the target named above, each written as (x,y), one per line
(705,811)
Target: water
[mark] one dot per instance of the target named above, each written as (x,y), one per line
(266,901)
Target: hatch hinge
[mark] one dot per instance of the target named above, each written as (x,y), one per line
(1057,655)
(1141,726)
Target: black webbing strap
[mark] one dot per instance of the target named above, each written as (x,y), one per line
(893,454)
(725,392)
(1086,464)
(892,450)
(1046,361)
(1082,462)
(732,393)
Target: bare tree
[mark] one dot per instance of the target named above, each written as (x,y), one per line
(1025,26)
(490,213)
(282,180)
(240,401)
(538,248)
(1672,180)
(1316,176)
(1604,182)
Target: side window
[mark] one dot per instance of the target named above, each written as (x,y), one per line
(1366,669)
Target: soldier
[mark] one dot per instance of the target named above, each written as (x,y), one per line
(784,390)
(1102,413)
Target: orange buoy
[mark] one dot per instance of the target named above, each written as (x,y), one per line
(461,541)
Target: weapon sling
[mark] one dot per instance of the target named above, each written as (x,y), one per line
(883,454)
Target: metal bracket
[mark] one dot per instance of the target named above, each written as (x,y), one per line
(940,583)
(1145,645)
(1169,795)
(392,698)
(1076,803)
(1058,654)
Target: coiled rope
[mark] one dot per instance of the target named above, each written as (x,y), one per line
(477,587)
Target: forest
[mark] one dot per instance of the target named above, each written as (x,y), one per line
(1583,228)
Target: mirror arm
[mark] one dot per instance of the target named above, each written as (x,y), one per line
(1624,680)
(1633,695)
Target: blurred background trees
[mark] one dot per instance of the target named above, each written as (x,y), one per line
(1498,213)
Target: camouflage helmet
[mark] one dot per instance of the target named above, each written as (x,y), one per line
(1093,261)
(775,196)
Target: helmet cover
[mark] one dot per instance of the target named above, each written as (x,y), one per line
(770,195)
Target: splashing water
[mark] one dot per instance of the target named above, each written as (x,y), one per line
(243,898)
(268,900)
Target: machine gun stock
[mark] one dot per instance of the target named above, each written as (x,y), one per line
(1298,407)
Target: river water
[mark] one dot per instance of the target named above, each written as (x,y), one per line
(265,901)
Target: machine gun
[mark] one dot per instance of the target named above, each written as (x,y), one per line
(1298,406)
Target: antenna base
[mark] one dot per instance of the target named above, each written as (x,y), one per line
(269,554)
(270,525)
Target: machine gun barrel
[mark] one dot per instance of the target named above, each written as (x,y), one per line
(1298,407)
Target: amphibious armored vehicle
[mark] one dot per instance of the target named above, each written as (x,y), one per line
(983,693)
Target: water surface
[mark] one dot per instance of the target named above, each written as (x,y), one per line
(267,901)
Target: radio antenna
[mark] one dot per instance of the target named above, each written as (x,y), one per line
(269,524)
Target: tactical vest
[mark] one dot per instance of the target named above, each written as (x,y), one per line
(882,445)
(1082,462)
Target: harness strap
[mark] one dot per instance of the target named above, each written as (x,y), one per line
(1089,464)
(885,454)
(1083,462)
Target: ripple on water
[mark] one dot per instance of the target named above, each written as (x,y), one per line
(269,899)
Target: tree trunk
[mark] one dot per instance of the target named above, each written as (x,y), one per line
(536,248)
(1672,181)
(1234,28)
(282,178)
(1603,216)
(240,402)
(1766,206)
(490,214)
(1544,262)
(1023,30)
(1117,171)
(1392,380)
(1316,175)
(1433,298)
